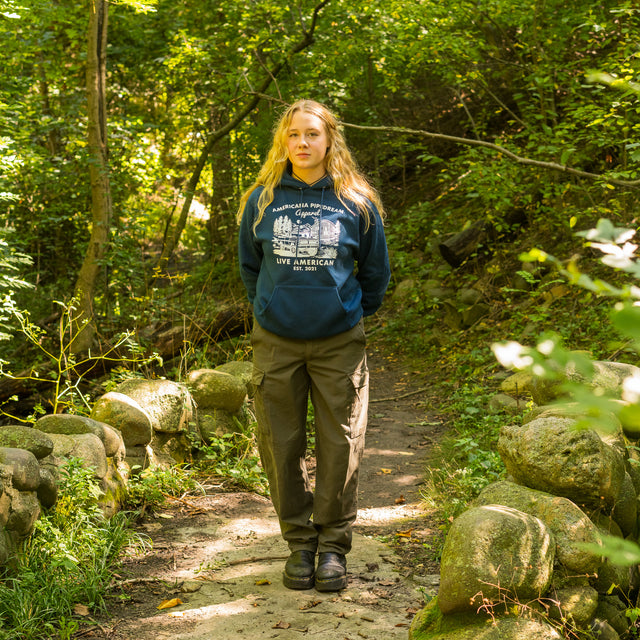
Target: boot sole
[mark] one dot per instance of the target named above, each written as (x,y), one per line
(332,584)
(298,583)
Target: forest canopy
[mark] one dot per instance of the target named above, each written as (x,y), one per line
(129,129)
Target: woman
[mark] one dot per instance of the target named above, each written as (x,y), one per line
(314,260)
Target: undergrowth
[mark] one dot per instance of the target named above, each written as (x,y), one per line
(68,562)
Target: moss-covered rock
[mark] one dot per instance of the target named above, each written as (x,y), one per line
(571,527)
(552,455)
(431,624)
(493,552)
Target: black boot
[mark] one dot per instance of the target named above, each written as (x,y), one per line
(331,574)
(299,570)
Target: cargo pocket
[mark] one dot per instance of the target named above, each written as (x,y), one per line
(257,378)
(359,405)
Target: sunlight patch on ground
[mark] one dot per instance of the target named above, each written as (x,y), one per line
(389,514)
(232,608)
(372,451)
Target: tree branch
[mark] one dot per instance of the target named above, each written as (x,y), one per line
(553,166)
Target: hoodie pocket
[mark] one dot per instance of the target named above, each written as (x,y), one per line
(306,311)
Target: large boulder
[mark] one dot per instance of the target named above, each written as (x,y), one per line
(491,551)
(168,404)
(607,377)
(216,389)
(71,425)
(552,455)
(23,468)
(430,624)
(126,415)
(574,604)
(242,370)
(28,438)
(87,447)
(571,527)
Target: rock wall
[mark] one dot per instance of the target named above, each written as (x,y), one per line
(140,423)
(520,547)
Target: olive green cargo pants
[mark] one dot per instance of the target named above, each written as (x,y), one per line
(333,372)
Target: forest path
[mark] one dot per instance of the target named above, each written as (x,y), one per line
(221,555)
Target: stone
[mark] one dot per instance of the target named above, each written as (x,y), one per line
(613,610)
(607,425)
(570,526)
(168,404)
(518,384)
(126,415)
(28,438)
(469,296)
(577,604)
(114,490)
(215,389)
(625,510)
(552,455)
(23,466)
(602,630)
(491,551)
(501,402)
(607,377)
(430,624)
(48,487)
(473,314)
(611,578)
(75,425)
(24,511)
(84,446)
(241,369)
(216,423)
(404,290)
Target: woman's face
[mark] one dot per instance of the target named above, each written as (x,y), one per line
(307,144)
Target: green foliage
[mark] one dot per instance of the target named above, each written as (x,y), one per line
(61,368)
(234,457)
(549,359)
(11,263)
(150,488)
(68,560)
(467,460)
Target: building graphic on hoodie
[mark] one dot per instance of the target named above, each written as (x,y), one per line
(307,239)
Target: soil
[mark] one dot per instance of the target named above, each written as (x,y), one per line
(214,569)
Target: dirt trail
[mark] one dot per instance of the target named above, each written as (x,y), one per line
(221,555)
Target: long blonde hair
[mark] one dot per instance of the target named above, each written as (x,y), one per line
(348,183)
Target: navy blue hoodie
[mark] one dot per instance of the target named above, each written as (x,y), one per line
(312,268)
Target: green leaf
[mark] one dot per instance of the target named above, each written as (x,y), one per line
(620,552)
(626,320)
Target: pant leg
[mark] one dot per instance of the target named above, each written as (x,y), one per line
(282,391)
(340,393)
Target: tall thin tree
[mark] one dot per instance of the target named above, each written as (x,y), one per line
(84,325)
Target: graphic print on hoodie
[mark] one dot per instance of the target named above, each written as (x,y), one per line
(311,268)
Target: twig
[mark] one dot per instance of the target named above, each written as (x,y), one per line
(554,166)
(404,395)
(231,563)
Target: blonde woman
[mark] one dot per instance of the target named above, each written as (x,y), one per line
(314,260)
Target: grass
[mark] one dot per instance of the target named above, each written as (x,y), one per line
(68,561)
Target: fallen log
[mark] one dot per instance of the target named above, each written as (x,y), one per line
(229,321)
(456,249)
(459,247)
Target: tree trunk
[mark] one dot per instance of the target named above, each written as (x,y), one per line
(83,326)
